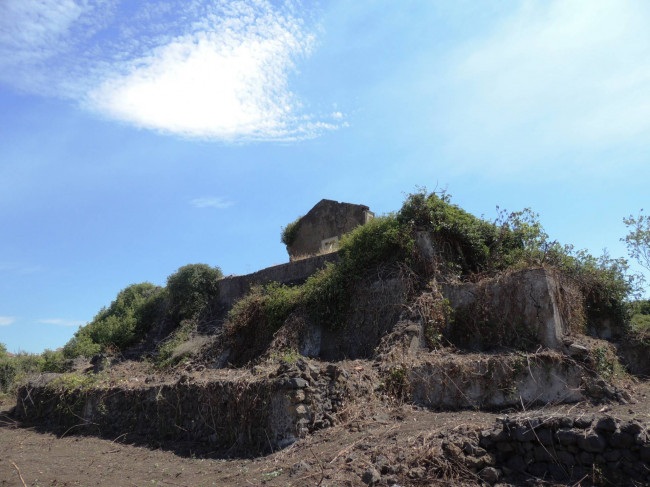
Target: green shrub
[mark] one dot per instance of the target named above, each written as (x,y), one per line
(124,322)
(639,323)
(14,368)
(52,361)
(290,232)
(191,289)
(7,372)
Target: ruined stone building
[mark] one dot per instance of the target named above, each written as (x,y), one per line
(320,229)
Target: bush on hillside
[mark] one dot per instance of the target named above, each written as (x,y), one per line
(15,367)
(191,289)
(124,322)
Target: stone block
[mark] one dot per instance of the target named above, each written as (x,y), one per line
(592,442)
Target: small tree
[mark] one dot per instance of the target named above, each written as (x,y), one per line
(638,240)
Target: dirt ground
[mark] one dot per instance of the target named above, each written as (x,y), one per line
(403,438)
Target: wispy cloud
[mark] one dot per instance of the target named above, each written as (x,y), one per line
(7,320)
(18,268)
(62,322)
(559,73)
(32,30)
(211,202)
(212,69)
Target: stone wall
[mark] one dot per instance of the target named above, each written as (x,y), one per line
(245,415)
(602,449)
(233,288)
(328,220)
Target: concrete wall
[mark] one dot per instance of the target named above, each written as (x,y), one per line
(326,220)
(494,381)
(508,311)
(233,288)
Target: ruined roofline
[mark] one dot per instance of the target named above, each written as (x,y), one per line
(325,200)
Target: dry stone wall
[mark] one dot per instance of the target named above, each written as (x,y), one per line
(247,416)
(601,448)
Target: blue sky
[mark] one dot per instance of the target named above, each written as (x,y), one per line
(140,136)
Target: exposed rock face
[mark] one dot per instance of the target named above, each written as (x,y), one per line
(321,228)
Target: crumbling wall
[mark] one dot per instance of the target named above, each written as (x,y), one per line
(520,309)
(234,287)
(327,220)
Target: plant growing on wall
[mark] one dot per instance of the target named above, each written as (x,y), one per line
(290,232)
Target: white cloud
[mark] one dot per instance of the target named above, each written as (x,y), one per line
(62,322)
(211,202)
(564,73)
(6,320)
(212,69)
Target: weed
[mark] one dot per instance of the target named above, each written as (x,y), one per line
(271,475)
(396,383)
(288,356)
(606,364)
(166,356)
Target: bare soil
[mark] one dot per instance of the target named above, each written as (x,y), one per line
(401,440)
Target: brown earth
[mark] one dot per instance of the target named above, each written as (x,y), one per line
(400,441)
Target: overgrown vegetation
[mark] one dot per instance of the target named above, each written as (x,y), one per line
(138,307)
(325,295)
(15,367)
(468,247)
(125,321)
(167,355)
(639,324)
